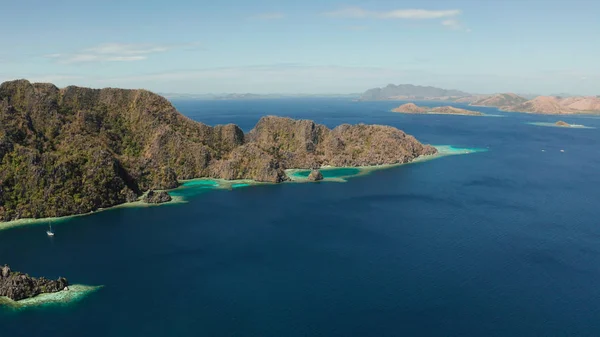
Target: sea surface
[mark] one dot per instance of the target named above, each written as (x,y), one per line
(498,243)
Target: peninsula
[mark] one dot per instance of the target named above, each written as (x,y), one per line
(411,108)
(75,150)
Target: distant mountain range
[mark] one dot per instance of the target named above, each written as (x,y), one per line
(409,91)
(504,101)
(558,104)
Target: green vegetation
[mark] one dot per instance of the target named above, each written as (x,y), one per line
(75,150)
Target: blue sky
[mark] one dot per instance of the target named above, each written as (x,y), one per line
(309,46)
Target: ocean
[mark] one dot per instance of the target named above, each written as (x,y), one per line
(498,243)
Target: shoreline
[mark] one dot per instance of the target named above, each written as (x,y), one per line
(222,184)
(75,293)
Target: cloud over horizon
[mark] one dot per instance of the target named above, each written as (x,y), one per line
(407,14)
(111,52)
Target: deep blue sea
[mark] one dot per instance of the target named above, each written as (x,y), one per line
(499,243)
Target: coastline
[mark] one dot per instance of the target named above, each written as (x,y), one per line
(201,185)
(75,293)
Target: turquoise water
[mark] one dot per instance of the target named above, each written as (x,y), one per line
(330,172)
(240,185)
(504,242)
(194,187)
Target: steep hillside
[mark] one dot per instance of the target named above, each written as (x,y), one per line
(74,150)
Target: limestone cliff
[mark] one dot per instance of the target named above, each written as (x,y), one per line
(18,286)
(74,150)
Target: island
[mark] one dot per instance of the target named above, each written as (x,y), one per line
(411,92)
(499,100)
(554,105)
(77,150)
(561,124)
(18,286)
(411,108)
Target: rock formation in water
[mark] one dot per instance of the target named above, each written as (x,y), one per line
(553,105)
(411,108)
(563,124)
(315,175)
(74,150)
(500,100)
(18,286)
(153,197)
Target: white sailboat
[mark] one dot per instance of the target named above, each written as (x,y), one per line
(50,232)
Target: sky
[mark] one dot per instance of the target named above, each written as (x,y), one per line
(308,46)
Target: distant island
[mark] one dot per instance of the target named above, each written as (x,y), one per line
(552,105)
(75,150)
(499,100)
(561,124)
(411,92)
(411,108)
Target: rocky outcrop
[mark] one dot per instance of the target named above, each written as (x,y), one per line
(75,150)
(315,175)
(153,197)
(563,124)
(18,286)
(411,108)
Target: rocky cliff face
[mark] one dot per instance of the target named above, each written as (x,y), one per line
(74,150)
(18,286)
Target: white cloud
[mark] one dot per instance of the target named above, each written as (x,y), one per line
(451,23)
(112,52)
(269,16)
(454,25)
(413,14)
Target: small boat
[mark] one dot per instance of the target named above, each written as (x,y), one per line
(50,232)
